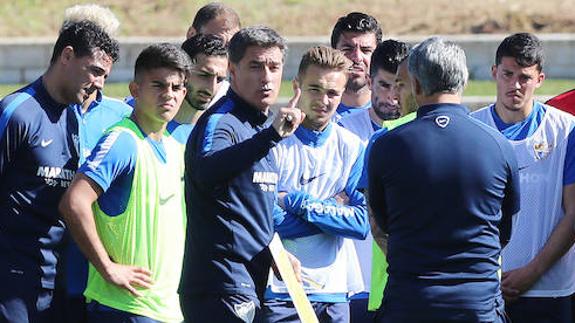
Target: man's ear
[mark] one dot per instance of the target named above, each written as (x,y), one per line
(134,89)
(67,55)
(296,84)
(191,32)
(232,69)
(540,80)
(494,71)
(415,86)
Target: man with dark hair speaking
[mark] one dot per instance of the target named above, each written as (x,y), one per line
(231,184)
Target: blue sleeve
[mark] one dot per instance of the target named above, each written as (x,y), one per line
(511,199)
(13,129)
(290,226)
(350,221)
(114,157)
(221,158)
(569,167)
(11,137)
(375,190)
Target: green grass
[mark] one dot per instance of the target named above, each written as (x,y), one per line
(474,88)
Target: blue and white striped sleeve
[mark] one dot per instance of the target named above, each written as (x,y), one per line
(114,156)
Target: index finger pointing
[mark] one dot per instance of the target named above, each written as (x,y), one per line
(293,101)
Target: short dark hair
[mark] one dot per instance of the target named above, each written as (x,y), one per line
(387,56)
(85,37)
(209,45)
(260,36)
(356,22)
(163,55)
(211,11)
(525,48)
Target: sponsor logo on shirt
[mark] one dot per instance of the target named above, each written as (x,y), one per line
(55,176)
(304,181)
(266,180)
(164,200)
(531,178)
(44,143)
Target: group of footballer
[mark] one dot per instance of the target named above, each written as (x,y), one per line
(394,202)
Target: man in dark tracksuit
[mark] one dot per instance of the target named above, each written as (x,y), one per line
(38,159)
(446,211)
(231,185)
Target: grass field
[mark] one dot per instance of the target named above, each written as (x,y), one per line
(305,17)
(474,88)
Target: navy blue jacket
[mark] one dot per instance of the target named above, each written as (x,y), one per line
(230,193)
(444,188)
(38,159)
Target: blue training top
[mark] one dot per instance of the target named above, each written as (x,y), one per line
(445,196)
(230,193)
(38,159)
(102,113)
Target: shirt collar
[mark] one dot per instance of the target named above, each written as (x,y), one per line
(441,108)
(251,113)
(44,97)
(313,138)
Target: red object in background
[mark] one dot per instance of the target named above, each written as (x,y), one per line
(564,101)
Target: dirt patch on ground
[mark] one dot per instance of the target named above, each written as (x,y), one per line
(306,18)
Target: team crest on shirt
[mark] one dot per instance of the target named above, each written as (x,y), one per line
(442,121)
(542,150)
(245,311)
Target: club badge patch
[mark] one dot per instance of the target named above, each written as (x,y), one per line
(542,150)
(442,121)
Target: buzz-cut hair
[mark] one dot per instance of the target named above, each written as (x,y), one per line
(213,10)
(209,45)
(356,22)
(324,57)
(101,16)
(163,55)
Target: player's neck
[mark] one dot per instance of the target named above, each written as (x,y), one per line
(53,86)
(374,118)
(187,113)
(357,98)
(513,115)
(152,128)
